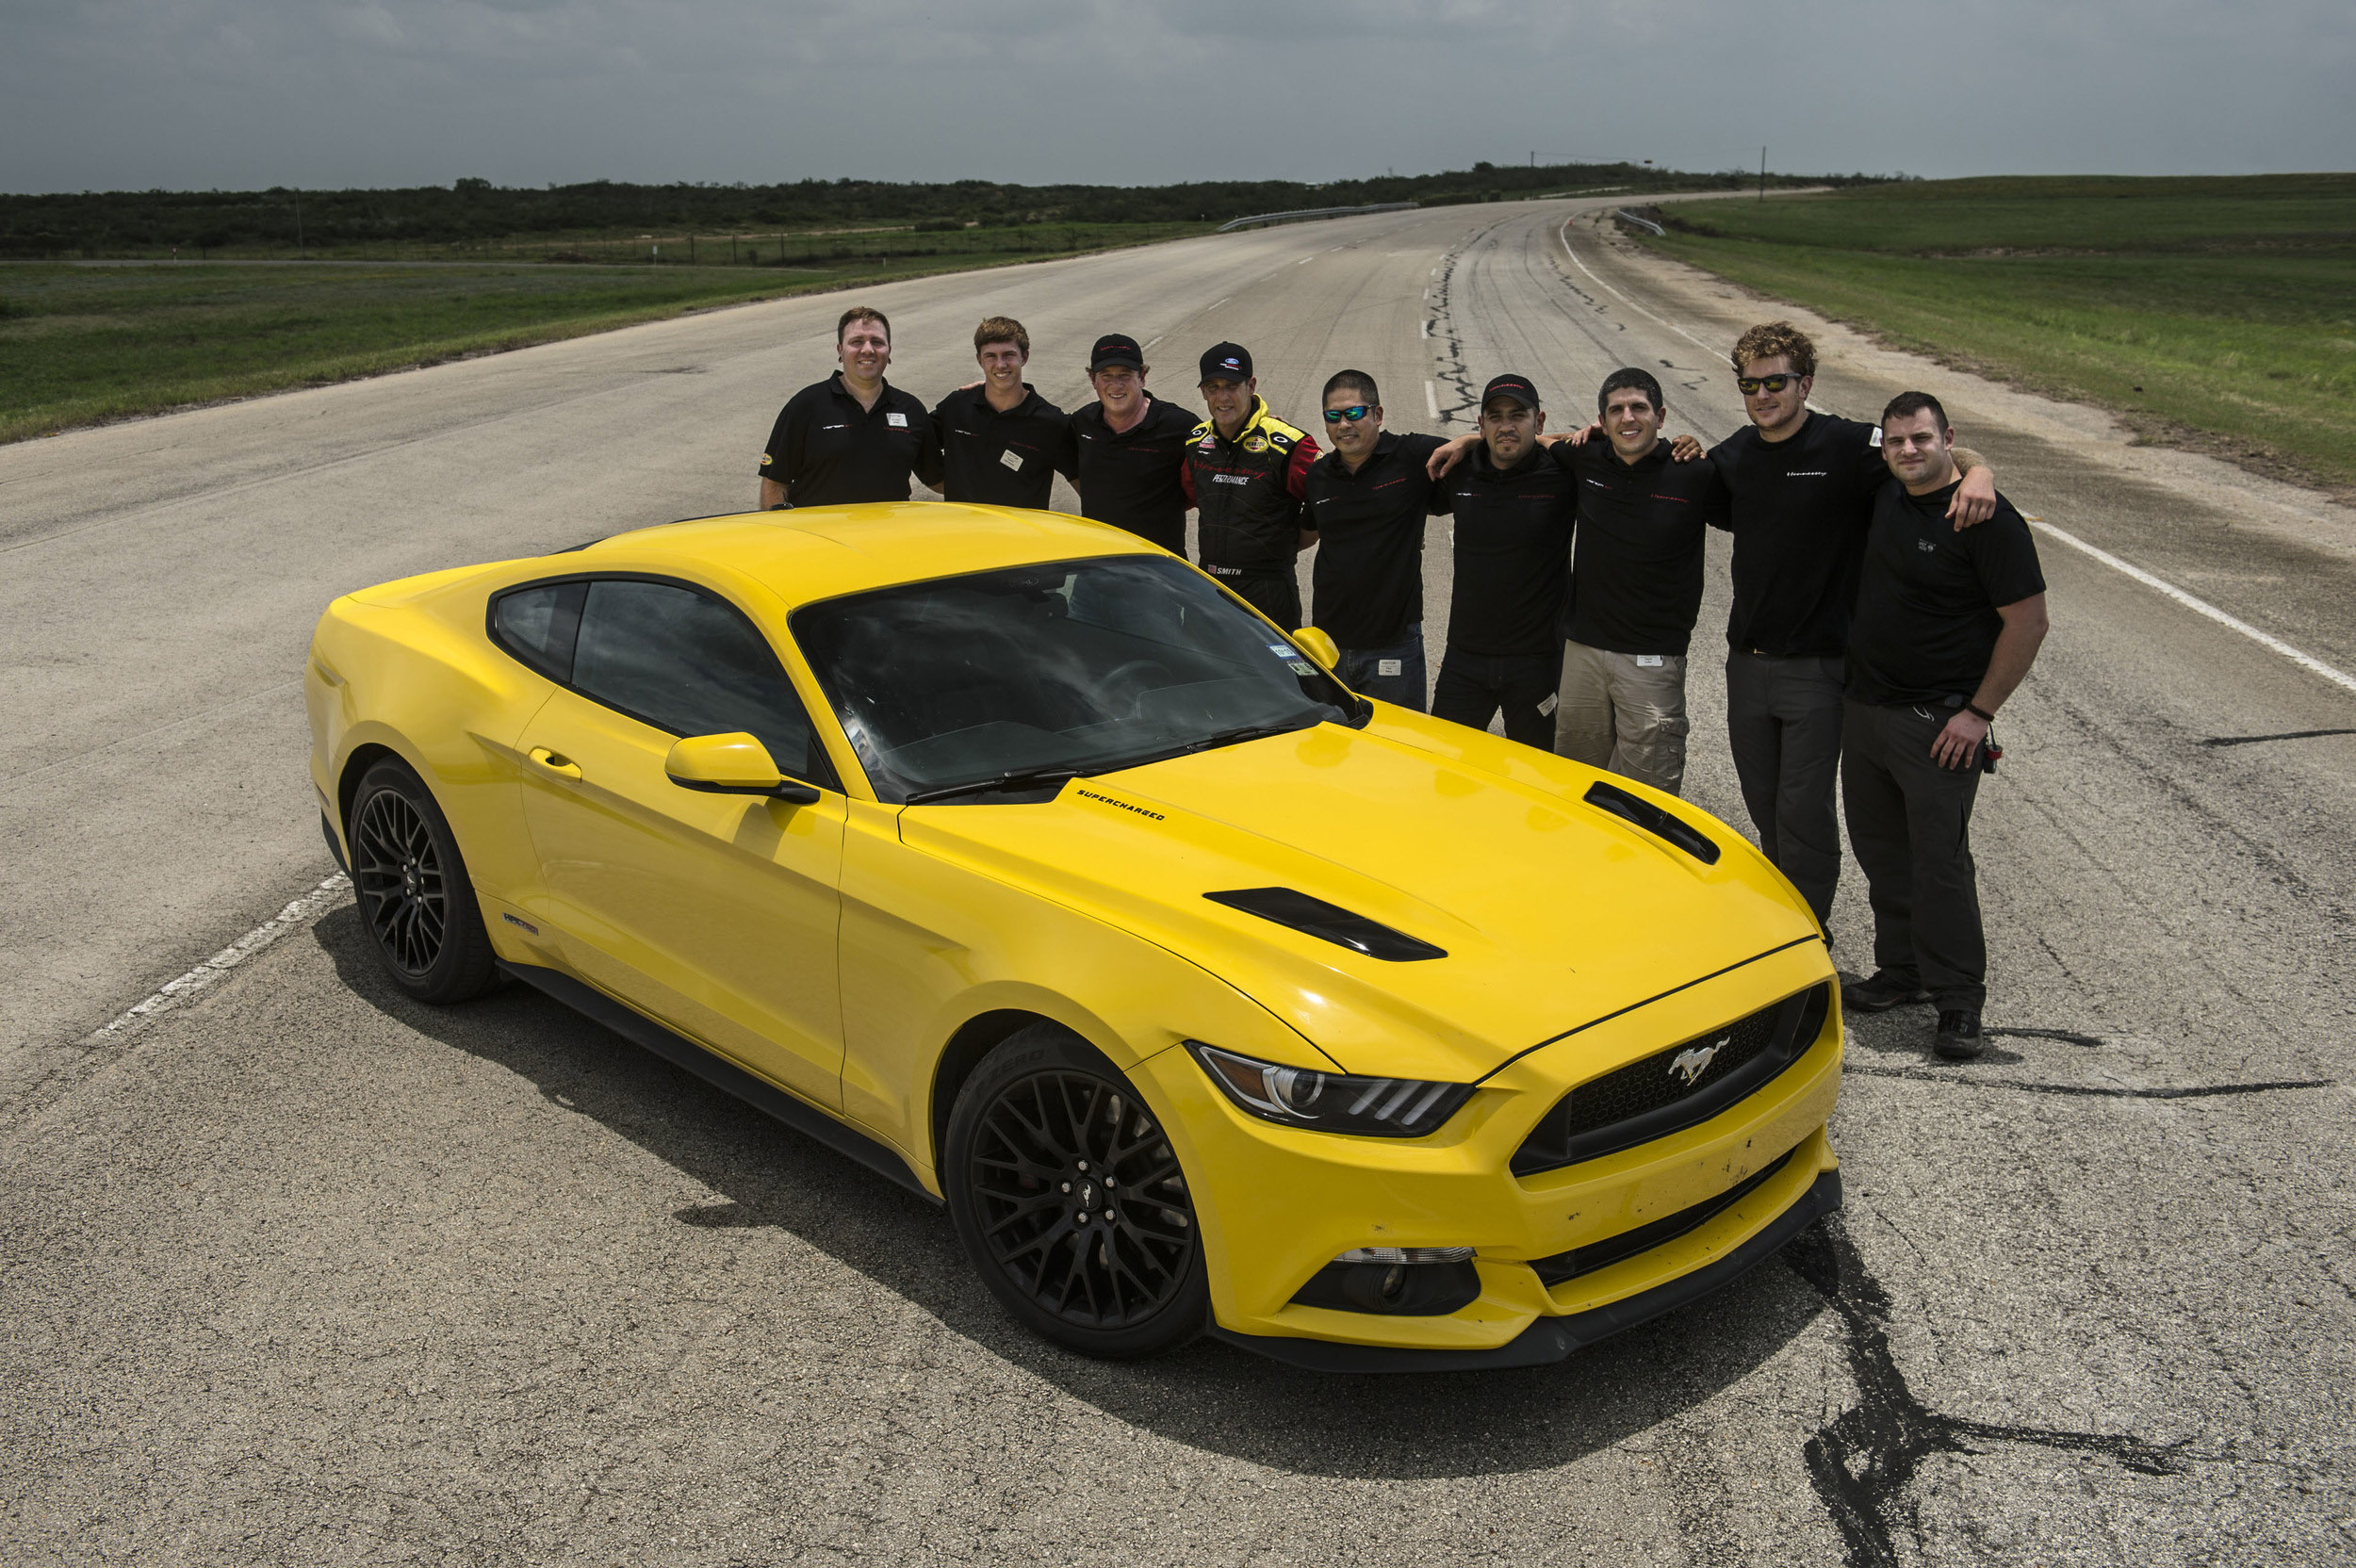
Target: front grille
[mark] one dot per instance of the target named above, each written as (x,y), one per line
(1612,1250)
(1662,1093)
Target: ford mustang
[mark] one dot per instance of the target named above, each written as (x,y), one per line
(1017,860)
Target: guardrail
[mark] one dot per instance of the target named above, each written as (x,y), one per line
(1306,214)
(1627,216)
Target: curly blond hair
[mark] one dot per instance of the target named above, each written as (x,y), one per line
(1775,340)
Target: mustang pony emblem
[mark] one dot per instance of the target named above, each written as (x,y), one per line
(1694,1061)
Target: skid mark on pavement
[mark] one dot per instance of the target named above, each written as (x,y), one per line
(2092,1091)
(1863,1460)
(2260,740)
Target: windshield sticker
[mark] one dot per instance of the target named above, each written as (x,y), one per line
(1284,651)
(1300,668)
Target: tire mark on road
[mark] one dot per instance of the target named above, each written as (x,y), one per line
(2092,1091)
(1863,1460)
(2260,740)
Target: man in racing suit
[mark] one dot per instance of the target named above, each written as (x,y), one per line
(1246,476)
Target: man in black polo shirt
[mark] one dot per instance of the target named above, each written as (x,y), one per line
(1245,476)
(1947,626)
(1802,487)
(1130,448)
(1000,443)
(1636,587)
(1367,499)
(1514,506)
(851,438)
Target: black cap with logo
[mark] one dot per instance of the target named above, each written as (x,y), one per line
(1516,387)
(1226,362)
(1116,349)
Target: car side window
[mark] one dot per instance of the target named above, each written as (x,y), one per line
(683,661)
(537,625)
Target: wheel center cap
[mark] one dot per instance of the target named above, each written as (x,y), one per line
(1085,1196)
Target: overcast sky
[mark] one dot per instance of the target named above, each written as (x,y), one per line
(104,94)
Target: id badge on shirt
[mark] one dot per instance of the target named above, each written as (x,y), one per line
(897,422)
(1011,459)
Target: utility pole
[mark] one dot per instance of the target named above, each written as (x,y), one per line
(1762,173)
(298,223)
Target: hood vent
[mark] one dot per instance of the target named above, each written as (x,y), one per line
(1653,820)
(1329,922)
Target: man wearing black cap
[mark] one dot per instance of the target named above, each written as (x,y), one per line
(1368,501)
(1246,476)
(1000,443)
(854,436)
(1130,448)
(1514,506)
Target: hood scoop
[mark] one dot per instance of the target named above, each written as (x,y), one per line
(1653,820)
(1329,922)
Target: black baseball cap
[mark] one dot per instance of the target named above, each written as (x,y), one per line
(1516,387)
(1116,349)
(1226,362)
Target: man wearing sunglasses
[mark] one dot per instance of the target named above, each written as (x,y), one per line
(1803,485)
(1367,501)
(1245,475)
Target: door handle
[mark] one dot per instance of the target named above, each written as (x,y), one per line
(548,762)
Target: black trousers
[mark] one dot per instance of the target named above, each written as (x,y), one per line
(1273,592)
(1473,686)
(1911,823)
(1783,722)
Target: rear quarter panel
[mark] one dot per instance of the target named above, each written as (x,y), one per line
(414,674)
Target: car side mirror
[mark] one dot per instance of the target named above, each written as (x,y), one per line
(1318,645)
(736,764)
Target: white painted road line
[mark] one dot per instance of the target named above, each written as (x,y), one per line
(295,916)
(1431,401)
(2264,640)
(1564,235)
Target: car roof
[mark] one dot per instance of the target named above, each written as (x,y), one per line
(815,554)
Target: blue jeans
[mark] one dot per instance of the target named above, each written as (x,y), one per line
(1361,671)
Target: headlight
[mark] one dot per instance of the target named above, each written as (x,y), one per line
(1332,1101)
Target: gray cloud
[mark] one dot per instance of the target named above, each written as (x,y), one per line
(111,93)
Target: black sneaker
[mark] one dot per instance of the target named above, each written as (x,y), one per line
(1887,990)
(1958,1038)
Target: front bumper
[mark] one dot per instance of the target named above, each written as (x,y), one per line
(1552,1339)
(1278,1204)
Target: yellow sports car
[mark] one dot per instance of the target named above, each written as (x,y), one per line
(1015,857)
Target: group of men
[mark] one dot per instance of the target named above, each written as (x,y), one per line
(1887,599)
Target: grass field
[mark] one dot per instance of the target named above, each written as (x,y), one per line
(2215,313)
(79,345)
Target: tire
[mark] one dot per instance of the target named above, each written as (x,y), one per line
(1047,1139)
(416,898)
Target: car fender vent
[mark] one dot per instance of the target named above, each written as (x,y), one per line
(1653,820)
(1329,922)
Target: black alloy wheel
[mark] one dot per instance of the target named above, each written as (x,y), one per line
(414,896)
(1071,1200)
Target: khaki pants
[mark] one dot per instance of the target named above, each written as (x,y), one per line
(1629,717)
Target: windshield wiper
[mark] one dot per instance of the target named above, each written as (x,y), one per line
(1236,736)
(1019,779)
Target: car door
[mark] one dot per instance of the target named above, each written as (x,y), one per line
(715,913)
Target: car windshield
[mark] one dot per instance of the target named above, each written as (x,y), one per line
(975,688)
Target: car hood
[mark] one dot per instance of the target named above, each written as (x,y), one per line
(1553,912)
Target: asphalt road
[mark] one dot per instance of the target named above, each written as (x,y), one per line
(296,1271)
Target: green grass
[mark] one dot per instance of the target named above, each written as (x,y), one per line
(2216,313)
(79,345)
